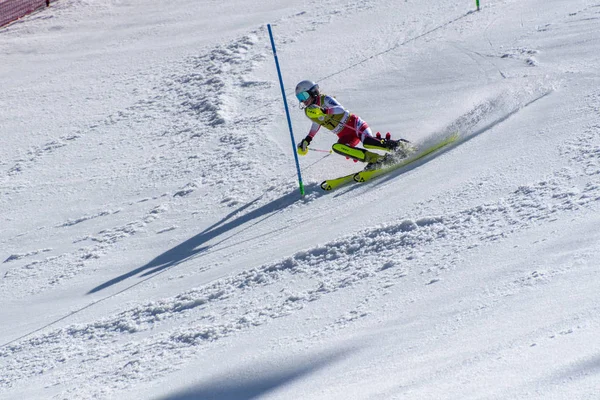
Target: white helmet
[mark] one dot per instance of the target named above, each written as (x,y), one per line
(305,90)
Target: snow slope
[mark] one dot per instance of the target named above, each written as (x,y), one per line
(154,244)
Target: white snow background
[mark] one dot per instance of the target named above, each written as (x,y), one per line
(153,243)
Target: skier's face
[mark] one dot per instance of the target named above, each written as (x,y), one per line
(308,101)
(305,98)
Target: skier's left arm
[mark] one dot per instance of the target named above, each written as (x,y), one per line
(331,106)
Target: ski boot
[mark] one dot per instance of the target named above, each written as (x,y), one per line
(400,147)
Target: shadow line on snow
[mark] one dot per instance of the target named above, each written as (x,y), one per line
(248,383)
(197,245)
(578,370)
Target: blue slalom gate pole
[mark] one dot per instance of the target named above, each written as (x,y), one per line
(287,111)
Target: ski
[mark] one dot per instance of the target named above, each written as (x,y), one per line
(361,154)
(335,183)
(364,176)
(355,153)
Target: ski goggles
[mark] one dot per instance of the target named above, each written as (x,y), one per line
(303,96)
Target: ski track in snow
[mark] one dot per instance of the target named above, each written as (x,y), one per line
(378,257)
(150,340)
(198,102)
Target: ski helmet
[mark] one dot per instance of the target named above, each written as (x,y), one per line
(305,90)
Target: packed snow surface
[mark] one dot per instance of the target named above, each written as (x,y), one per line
(154,243)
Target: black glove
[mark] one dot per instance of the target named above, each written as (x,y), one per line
(303,146)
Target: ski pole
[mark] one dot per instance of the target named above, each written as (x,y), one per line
(321,151)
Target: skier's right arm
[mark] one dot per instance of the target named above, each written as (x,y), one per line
(303,145)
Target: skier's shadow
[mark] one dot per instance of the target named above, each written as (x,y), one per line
(194,246)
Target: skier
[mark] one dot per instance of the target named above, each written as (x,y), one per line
(324,110)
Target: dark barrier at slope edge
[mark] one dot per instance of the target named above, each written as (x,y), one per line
(12,10)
